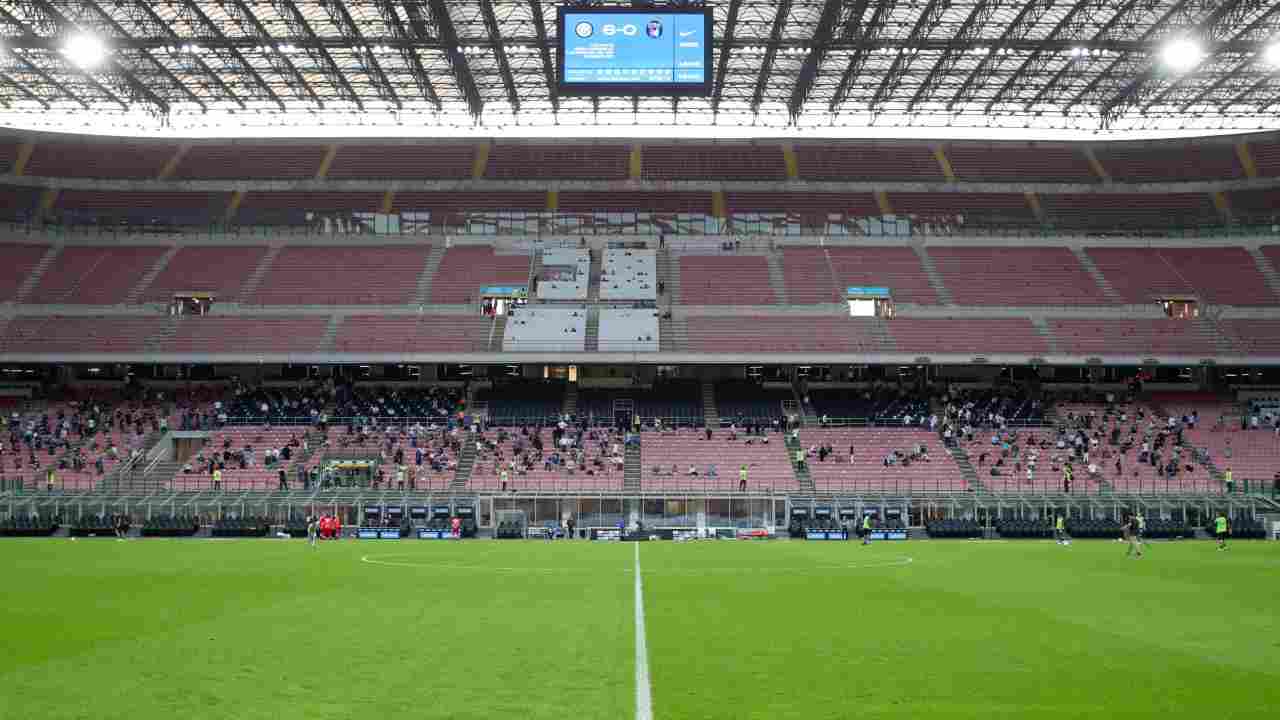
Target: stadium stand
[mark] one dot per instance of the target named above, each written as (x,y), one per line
(853,460)
(220,270)
(16,264)
(1215,274)
(670,456)
(523,403)
(969,335)
(519,161)
(404,161)
(819,161)
(1095,338)
(809,278)
(713,162)
(1253,337)
(1266,155)
(18,203)
(111,159)
(1015,276)
(95,275)
(1017,163)
(412,333)
(233,161)
(547,459)
(1120,212)
(1158,162)
(79,334)
(964,208)
(465,269)
(738,334)
(725,279)
(235,334)
(546,329)
(143,208)
(628,330)
(351,275)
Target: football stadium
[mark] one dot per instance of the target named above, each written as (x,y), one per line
(655,360)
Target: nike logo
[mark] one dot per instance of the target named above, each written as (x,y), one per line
(687,33)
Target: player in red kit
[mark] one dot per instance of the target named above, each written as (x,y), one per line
(456,525)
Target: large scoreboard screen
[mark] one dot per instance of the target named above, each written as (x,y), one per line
(624,51)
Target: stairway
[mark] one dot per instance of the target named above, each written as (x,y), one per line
(669,275)
(259,273)
(633,469)
(593,286)
(667,335)
(116,477)
(422,293)
(710,414)
(879,331)
(135,294)
(967,471)
(329,341)
(1108,290)
(777,280)
(166,333)
(807,411)
(1267,269)
(570,404)
(466,461)
(158,478)
(496,333)
(592,338)
(37,272)
(1042,328)
(935,277)
(802,472)
(1161,412)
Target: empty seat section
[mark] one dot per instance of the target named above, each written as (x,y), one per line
(521,403)
(1129,211)
(412,334)
(730,161)
(303,208)
(366,275)
(978,336)
(54,334)
(276,161)
(1002,209)
(725,280)
(742,402)
(1272,253)
(897,268)
(1261,337)
(1223,275)
(1169,162)
(18,202)
(799,333)
(847,161)
(214,269)
(465,269)
(1094,338)
(807,273)
(9,147)
(407,161)
(518,161)
(865,470)
(1015,276)
(111,159)
(459,209)
(16,264)
(1266,156)
(142,208)
(675,402)
(1008,162)
(215,334)
(669,456)
(810,210)
(1139,275)
(1255,206)
(95,275)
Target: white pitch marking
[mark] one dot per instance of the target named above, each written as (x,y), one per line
(644,697)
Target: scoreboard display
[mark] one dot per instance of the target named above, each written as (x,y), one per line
(625,51)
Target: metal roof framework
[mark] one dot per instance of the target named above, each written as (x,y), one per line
(803,61)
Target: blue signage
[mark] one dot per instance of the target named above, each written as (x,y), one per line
(509,291)
(854,290)
(635,48)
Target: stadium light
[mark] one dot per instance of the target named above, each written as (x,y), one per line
(86,51)
(1182,55)
(1272,54)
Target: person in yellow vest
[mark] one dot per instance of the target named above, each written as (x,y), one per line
(742,478)
(1220,530)
(1226,479)
(50,477)
(217,478)
(866,529)
(503,476)
(799,457)
(1060,530)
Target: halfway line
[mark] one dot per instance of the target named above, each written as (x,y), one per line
(644,700)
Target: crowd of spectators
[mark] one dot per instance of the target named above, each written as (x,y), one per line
(522,452)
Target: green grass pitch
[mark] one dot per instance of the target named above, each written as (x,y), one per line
(273,629)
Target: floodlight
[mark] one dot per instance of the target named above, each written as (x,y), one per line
(86,51)
(1182,55)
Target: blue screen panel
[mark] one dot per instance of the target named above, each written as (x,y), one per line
(634,52)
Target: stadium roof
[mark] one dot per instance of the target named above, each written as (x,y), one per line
(450,66)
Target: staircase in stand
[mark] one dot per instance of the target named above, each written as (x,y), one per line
(496,332)
(330,339)
(710,413)
(119,476)
(801,471)
(422,292)
(777,279)
(1042,328)
(1161,412)
(37,272)
(135,294)
(259,273)
(632,469)
(967,471)
(669,276)
(593,288)
(592,338)
(168,329)
(935,277)
(466,461)
(878,329)
(667,335)
(570,404)
(1108,290)
(1267,269)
